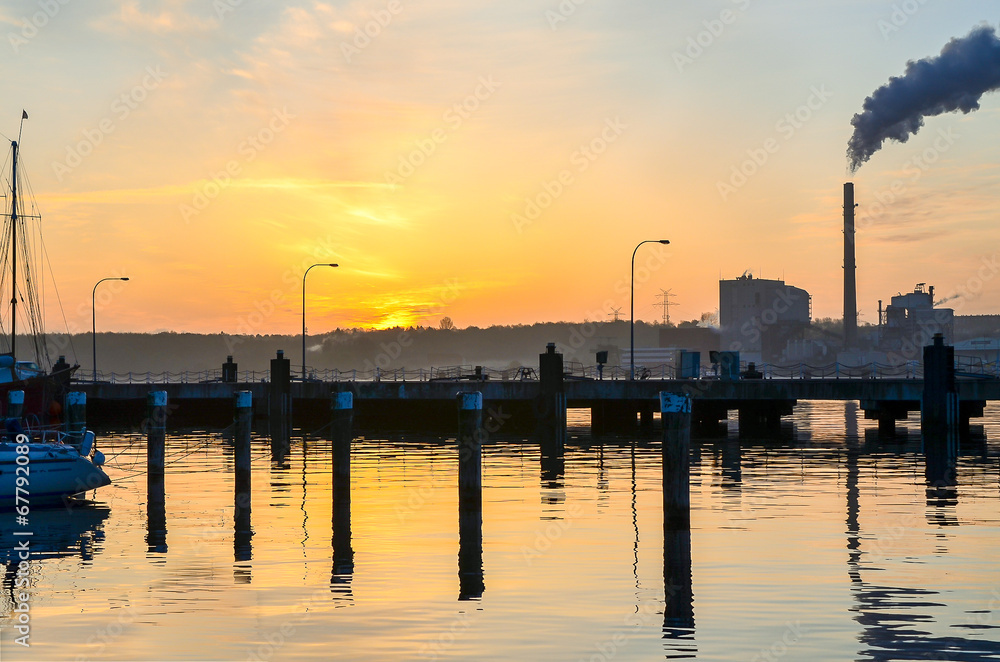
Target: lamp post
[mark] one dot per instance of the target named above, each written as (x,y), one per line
(304,314)
(93,316)
(631,353)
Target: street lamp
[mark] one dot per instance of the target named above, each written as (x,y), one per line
(93,317)
(631,353)
(304,315)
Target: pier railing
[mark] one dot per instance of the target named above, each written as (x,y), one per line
(572,370)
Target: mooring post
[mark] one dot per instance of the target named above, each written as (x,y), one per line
(939,411)
(342,416)
(15,404)
(470,455)
(551,408)
(280,404)
(156,431)
(342,435)
(76,416)
(229,371)
(244,425)
(675,412)
(156,515)
(470,495)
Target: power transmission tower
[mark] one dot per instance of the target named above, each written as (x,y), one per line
(616,312)
(665,296)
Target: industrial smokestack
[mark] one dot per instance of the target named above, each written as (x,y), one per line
(850,284)
(967,68)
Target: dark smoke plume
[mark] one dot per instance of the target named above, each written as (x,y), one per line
(967,68)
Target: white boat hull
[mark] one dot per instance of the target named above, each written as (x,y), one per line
(53,473)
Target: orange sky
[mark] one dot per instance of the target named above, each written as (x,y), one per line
(496,164)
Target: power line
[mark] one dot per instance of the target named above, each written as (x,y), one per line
(665,295)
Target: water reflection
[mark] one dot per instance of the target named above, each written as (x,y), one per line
(76,530)
(156,514)
(343,554)
(886,613)
(678,611)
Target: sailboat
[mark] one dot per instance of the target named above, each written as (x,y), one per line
(39,463)
(44,390)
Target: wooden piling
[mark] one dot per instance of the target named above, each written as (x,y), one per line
(156,431)
(280,404)
(342,435)
(470,455)
(470,495)
(551,403)
(156,515)
(243,401)
(939,409)
(675,412)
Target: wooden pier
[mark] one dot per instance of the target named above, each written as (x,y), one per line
(524,405)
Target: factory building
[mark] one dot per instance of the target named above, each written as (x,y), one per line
(910,321)
(759,316)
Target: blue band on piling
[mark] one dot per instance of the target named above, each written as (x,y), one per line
(244,399)
(15,397)
(469,401)
(76,398)
(157,398)
(674,403)
(343,400)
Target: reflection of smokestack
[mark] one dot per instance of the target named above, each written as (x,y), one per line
(850,284)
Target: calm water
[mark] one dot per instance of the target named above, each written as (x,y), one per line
(820,544)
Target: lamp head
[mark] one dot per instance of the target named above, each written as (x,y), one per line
(333,265)
(664,241)
(123,278)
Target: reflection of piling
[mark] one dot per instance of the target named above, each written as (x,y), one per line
(76,416)
(939,411)
(675,412)
(470,495)
(242,492)
(15,404)
(342,413)
(678,612)
(280,404)
(156,514)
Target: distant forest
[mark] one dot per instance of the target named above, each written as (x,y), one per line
(350,349)
(412,348)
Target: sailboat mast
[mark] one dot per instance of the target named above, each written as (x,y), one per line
(13,252)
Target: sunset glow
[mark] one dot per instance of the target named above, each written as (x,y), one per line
(495,163)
